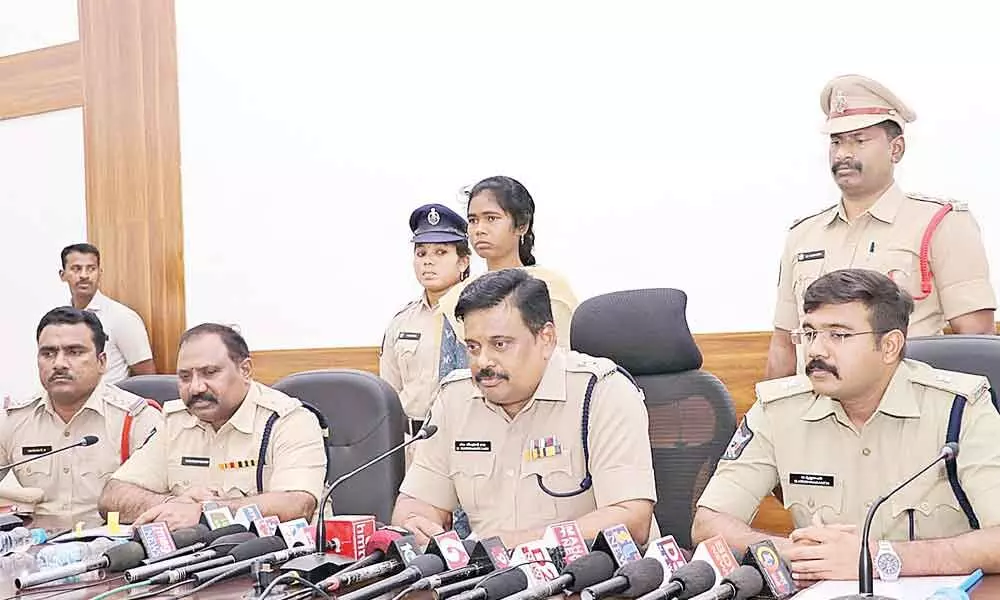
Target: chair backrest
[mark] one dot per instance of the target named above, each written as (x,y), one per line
(691,415)
(161,388)
(973,354)
(366,419)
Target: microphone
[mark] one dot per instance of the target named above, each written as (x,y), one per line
(581,573)
(250,549)
(474,568)
(88,440)
(630,581)
(743,583)
(668,553)
(866,578)
(508,583)
(422,566)
(218,547)
(116,558)
(687,581)
(242,567)
(424,433)
(386,543)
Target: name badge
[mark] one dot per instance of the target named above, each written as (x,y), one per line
(810,479)
(35,450)
(813,255)
(409,335)
(473,446)
(195,461)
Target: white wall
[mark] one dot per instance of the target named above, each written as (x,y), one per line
(666,144)
(42,209)
(32,24)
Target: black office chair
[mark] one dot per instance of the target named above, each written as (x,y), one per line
(973,354)
(161,388)
(366,419)
(691,414)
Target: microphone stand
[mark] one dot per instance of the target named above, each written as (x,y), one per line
(866,583)
(87,441)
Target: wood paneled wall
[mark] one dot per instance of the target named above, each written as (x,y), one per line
(41,81)
(737,359)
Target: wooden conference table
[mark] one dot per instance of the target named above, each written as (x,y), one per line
(237,588)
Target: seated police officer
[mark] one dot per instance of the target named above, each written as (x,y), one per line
(861,420)
(209,449)
(509,429)
(75,404)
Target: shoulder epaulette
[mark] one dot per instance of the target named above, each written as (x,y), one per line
(798,222)
(173,406)
(973,387)
(124,400)
(785,387)
(276,401)
(955,204)
(456,375)
(583,363)
(12,404)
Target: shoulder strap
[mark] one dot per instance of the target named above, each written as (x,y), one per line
(954,429)
(588,480)
(925,249)
(324,427)
(127,430)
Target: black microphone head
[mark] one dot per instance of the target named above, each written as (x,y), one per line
(505,584)
(429,430)
(697,577)
(257,547)
(644,576)
(122,557)
(214,534)
(226,543)
(427,564)
(88,440)
(589,569)
(950,451)
(187,536)
(470,546)
(747,581)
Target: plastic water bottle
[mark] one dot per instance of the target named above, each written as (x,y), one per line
(67,553)
(20,539)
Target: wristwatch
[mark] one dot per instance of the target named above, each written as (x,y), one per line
(887,562)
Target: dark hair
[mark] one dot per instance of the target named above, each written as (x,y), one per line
(463,250)
(67,315)
(236,346)
(80,248)
(515,200)
(529,295)
(888,305)
(891,128)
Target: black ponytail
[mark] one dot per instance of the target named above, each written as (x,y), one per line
(515,200)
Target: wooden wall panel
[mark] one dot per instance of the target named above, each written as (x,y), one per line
(40,81)
(132,152)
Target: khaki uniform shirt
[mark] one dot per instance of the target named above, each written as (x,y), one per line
(189,453)
(408,359)
(563,300)
(486,462)
(72,480)
(128,342)
(886,238)
(827,466)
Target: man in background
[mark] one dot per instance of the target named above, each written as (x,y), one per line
(128,350)
(930,247)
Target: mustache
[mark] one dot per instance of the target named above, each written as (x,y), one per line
(490,373)
(846,164)
(818,365)
(61,375)
(207,397)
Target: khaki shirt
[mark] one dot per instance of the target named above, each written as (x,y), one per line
(189,453)
(887,238)
(72,480)
(408,359)
(563,300)
(827,466)
(483,460)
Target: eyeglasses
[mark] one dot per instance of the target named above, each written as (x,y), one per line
(808,336)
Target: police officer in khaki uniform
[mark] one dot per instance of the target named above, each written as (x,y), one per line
(930,247)
(410,358)
(860,421)
(209,447)
(509,429)
(75,404)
